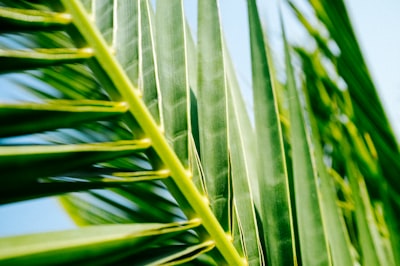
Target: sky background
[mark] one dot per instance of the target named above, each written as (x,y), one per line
(376,24)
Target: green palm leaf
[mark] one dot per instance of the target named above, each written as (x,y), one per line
(144,132)
(243,169)
(313,243)
(271,164)
(77,246)
(212,110)
(173,78)
(54,114)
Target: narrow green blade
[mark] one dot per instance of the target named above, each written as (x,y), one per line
(56,186)
(337,234)
(243,169)
(84,244)
(26,19)
(148,66)
(212,110)
(172,74)
(175,255)
(126,37)
(34,117)
(191,51)
(368,250)
(271,166)
(311,227)
(13,60)
(194,139)
(49,160)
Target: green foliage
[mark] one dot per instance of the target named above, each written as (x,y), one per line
(89,244)
(144,136)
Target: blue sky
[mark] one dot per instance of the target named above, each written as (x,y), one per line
(376,24)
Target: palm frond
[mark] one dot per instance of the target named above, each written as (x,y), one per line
(143,133)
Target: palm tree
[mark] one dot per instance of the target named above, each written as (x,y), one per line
(144,135)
